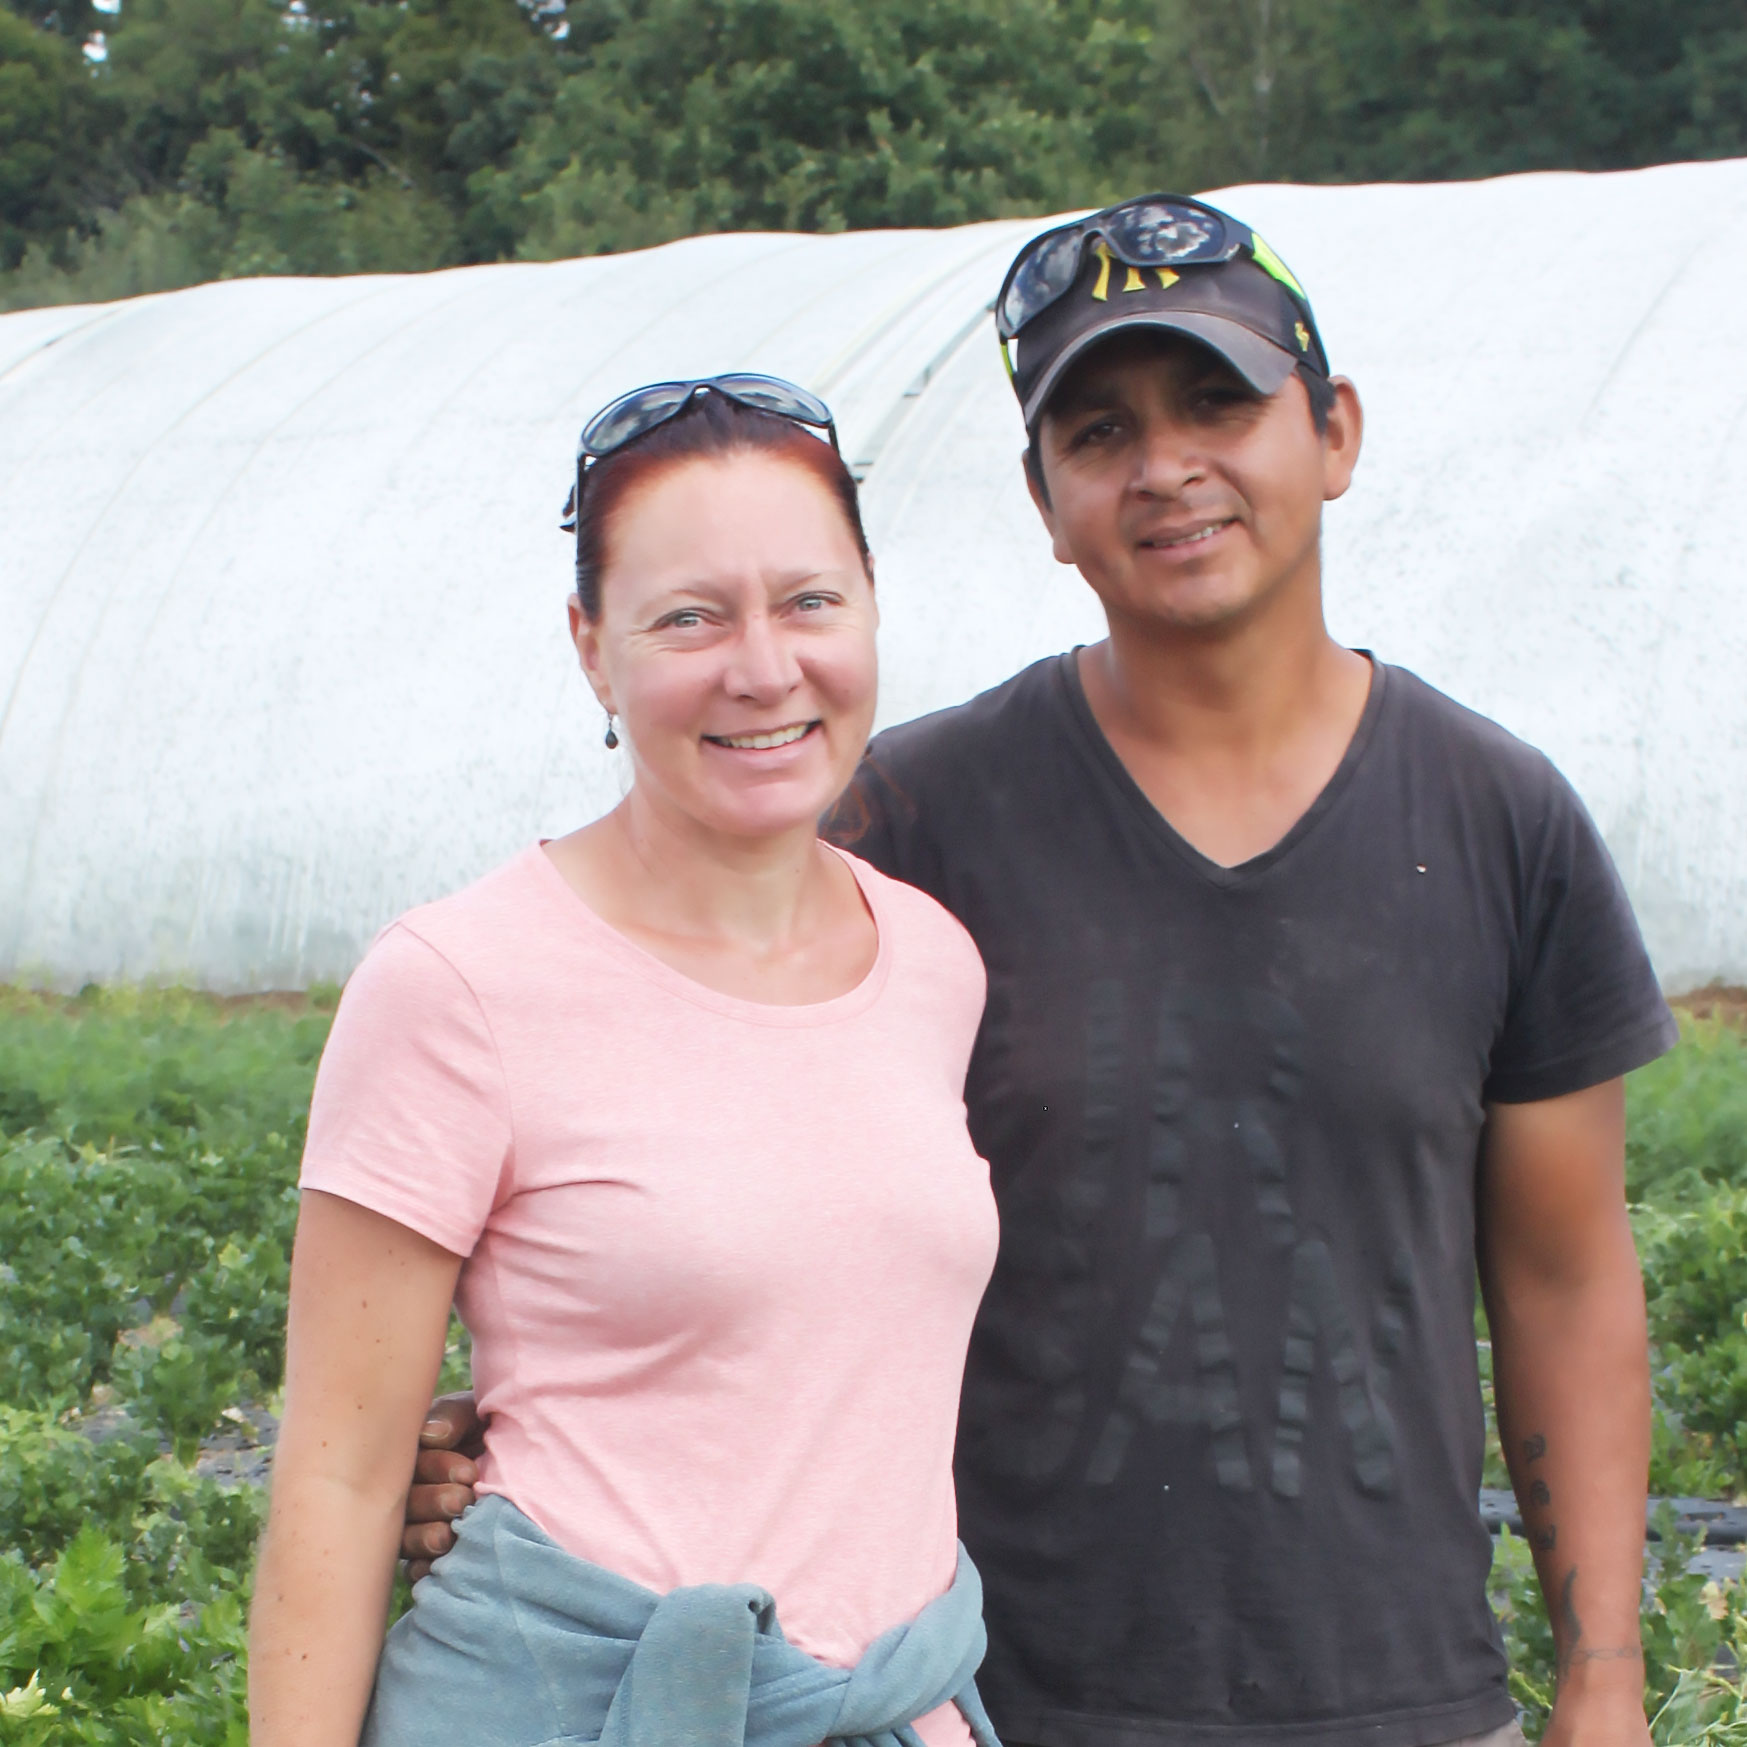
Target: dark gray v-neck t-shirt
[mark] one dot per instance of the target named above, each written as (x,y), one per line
(1221,1435)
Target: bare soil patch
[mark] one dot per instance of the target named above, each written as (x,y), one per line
(1720,1001)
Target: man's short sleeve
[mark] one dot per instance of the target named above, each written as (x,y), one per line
(1585,1006)
(410,1116)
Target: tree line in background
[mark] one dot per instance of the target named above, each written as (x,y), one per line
(146,144)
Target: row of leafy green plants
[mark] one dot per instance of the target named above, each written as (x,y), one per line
(148,1156)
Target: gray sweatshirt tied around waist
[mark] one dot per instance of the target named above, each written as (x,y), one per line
(513,1642)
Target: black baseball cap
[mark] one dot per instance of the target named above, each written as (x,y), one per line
(1146,264)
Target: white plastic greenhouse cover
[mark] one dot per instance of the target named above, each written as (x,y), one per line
(281,608)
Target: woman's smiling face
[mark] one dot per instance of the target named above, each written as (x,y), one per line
(735,642)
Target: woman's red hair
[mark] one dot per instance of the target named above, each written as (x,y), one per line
(710,426)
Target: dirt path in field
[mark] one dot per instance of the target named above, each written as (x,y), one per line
(1719,1001)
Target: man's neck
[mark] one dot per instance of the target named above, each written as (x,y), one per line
(1231,733)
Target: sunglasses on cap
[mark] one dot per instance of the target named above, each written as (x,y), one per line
(641,411)
(1157,231)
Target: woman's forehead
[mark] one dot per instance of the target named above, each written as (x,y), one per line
(727,532)
(714,483)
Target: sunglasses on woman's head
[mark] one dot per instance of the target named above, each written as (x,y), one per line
(644,409)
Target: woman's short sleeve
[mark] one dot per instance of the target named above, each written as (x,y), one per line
(410,1116)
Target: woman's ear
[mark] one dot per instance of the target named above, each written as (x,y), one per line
(586,635)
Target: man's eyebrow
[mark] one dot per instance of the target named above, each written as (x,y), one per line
(1085,394)
(1100,389)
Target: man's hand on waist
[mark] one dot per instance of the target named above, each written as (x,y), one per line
(442,1484)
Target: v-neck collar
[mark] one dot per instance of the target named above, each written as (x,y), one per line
(1104,755)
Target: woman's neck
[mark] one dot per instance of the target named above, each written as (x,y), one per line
(672,875)
(775,919)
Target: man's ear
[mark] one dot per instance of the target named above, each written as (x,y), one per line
(1342,439)
(1034,485)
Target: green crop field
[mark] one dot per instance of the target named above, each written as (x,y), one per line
(148,1155)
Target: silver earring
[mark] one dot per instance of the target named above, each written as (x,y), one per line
(612,734)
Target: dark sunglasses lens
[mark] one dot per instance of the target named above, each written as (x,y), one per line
(1042,276)
(632,416)
(1161,233)
(771,394)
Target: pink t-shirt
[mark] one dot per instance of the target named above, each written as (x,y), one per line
(722,1257)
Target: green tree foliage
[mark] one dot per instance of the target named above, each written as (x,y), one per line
(224,137)
(811,115)
(52,118)
(1427,90)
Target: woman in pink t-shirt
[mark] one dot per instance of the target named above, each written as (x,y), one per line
(671,1108)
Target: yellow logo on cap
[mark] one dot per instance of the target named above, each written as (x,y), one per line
(1132,280)
(1303,334)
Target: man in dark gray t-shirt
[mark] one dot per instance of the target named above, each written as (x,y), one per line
(1307,988)
(1221,1434)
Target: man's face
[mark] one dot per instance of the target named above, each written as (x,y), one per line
(1185,498)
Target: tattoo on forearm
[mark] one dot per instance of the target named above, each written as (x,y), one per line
(1574,1650)
(1568,1626)
(1543,1536)
(1568,1616)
